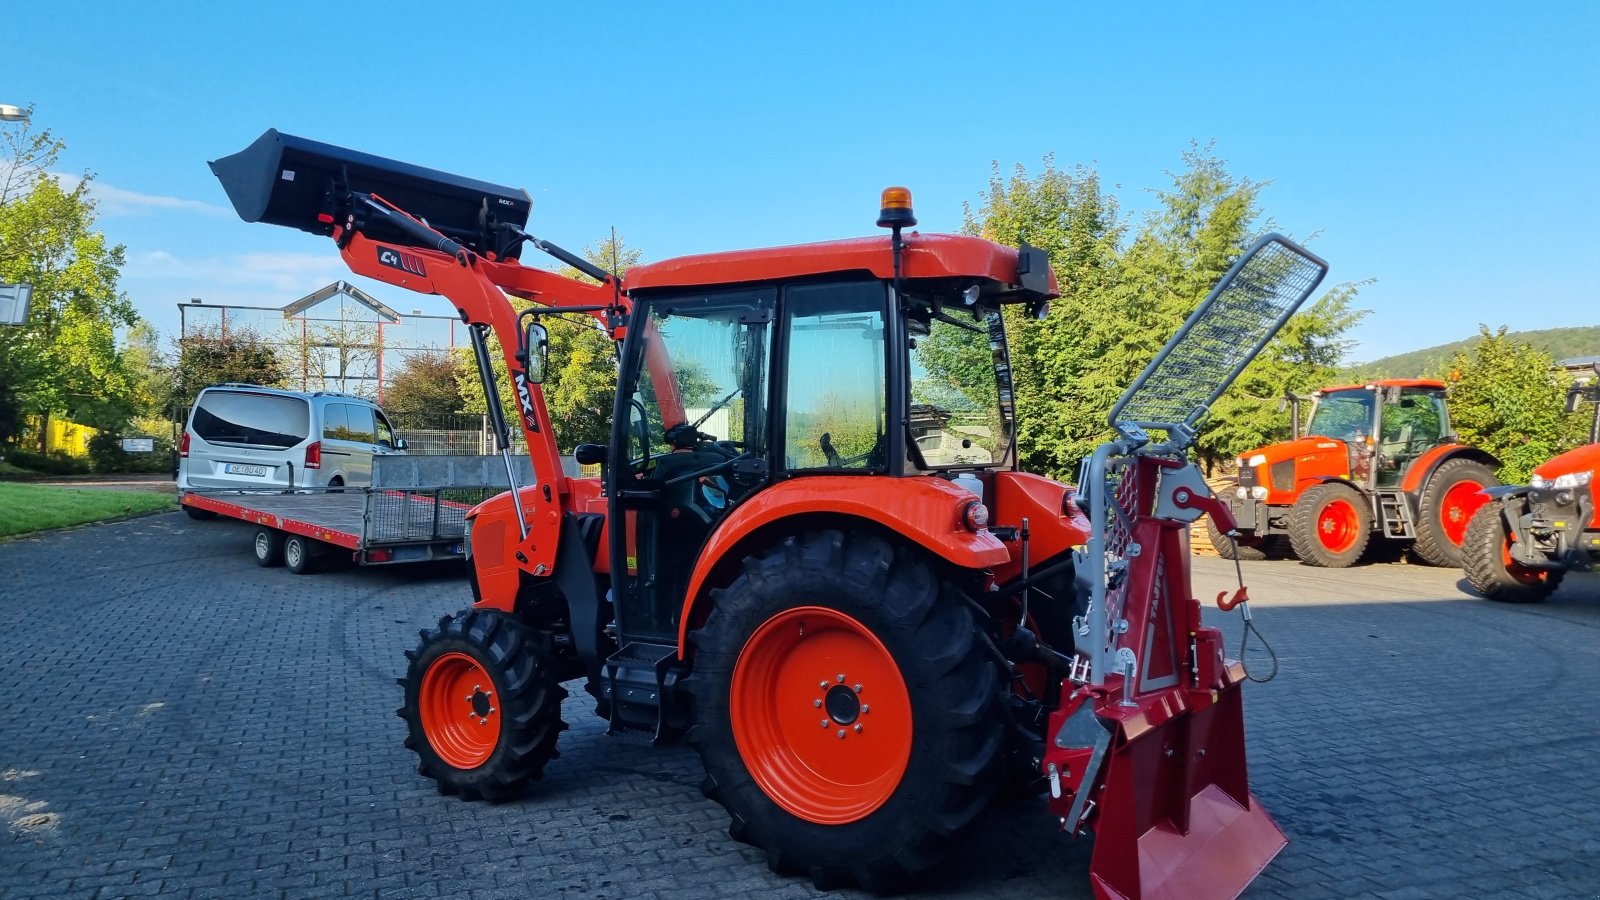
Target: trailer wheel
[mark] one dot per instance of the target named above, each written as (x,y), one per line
(199,515)
(1329,526)
(1486,559)
(845,709)
(1454,493)
(299,554)
(268,547)
(1229,549)
(482,706)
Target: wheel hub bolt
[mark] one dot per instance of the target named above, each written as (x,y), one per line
(858,726)
(824,723)
(858,688)
(841,734)
(816,703)
(840,677)
(823,685)
(865,708)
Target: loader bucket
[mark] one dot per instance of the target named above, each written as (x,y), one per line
(299,183)
(1177,819)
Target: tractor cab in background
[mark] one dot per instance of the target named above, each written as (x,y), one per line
(1377,459)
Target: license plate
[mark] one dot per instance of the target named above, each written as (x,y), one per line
(237,469)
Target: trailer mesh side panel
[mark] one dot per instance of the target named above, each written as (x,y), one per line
(421,515)
(1222,336)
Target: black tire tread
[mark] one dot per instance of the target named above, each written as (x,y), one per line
(1303,528)
(1432,546)
(953,782)
(518,661)
(1229,549)
(1486,571)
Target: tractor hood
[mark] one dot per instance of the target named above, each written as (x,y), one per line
(1284,469)
(1573,462)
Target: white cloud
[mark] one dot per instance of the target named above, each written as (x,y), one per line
(115,201)
(288,274)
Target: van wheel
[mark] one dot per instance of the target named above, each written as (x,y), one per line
(336,486)
(199,515)
(298,555)
(268,547)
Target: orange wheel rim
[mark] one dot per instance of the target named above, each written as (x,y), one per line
(1517,570)
(821,715)
(1460,502)
(1338,525)
(460,711)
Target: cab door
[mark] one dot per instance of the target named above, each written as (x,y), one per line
(691,442)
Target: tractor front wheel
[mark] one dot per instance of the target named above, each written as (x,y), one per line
(1486,559)
(1454,493)
(1242,547)
(1329,526)
(846,710)
(482,707)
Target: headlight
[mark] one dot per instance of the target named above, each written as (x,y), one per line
(1562,482)
(975,516)
(1259,492)
(1260,459)
(1242,493)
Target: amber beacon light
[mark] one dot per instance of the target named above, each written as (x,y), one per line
(896,209)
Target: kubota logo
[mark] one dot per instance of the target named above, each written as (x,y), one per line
(405,262)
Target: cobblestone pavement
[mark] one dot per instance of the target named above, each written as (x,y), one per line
(175,720)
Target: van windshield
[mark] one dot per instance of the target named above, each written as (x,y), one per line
(246,419)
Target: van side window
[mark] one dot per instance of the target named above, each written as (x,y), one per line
(385,433)
(360,423)
(335,427)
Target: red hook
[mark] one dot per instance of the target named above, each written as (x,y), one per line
(1242,595)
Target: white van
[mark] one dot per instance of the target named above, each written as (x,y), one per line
(248,437)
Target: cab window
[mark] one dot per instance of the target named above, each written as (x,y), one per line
(835,416)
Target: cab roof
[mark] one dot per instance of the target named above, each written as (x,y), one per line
(926,256)
(1427,383)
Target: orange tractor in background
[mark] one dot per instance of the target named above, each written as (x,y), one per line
(1376,460)
(811,553)
(1526,538)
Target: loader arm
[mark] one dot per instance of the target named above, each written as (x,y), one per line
(477,288)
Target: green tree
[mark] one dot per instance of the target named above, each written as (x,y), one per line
(1077,224)
(206,357)
(582,378)
(1508,398)
(1123,298)
(425,382)
(64,360)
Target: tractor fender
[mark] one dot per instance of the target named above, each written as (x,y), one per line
(1505,491)
(926,511)
(1417,476)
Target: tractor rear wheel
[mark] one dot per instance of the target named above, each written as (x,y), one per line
(1454,493)
(1329,526)
(482,707)
(1486,559)
(846,709)
(1230,549)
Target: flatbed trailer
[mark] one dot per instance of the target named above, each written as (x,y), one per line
(414,511)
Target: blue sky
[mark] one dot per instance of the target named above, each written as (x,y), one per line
(1446,150)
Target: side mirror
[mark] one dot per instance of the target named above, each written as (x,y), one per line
(1573,393)
(400,443)
(535,351)
(590,454)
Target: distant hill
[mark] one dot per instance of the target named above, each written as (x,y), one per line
(1560,343)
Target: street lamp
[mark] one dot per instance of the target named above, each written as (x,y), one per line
(9,113)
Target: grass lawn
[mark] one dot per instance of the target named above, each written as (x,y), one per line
(32,507)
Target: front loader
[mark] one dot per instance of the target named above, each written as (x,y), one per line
(811,553)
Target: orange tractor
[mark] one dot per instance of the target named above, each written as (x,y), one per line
(1377,459)
(811,554)
(1525,539)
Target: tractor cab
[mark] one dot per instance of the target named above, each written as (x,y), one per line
(1385,425)
(747,370)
